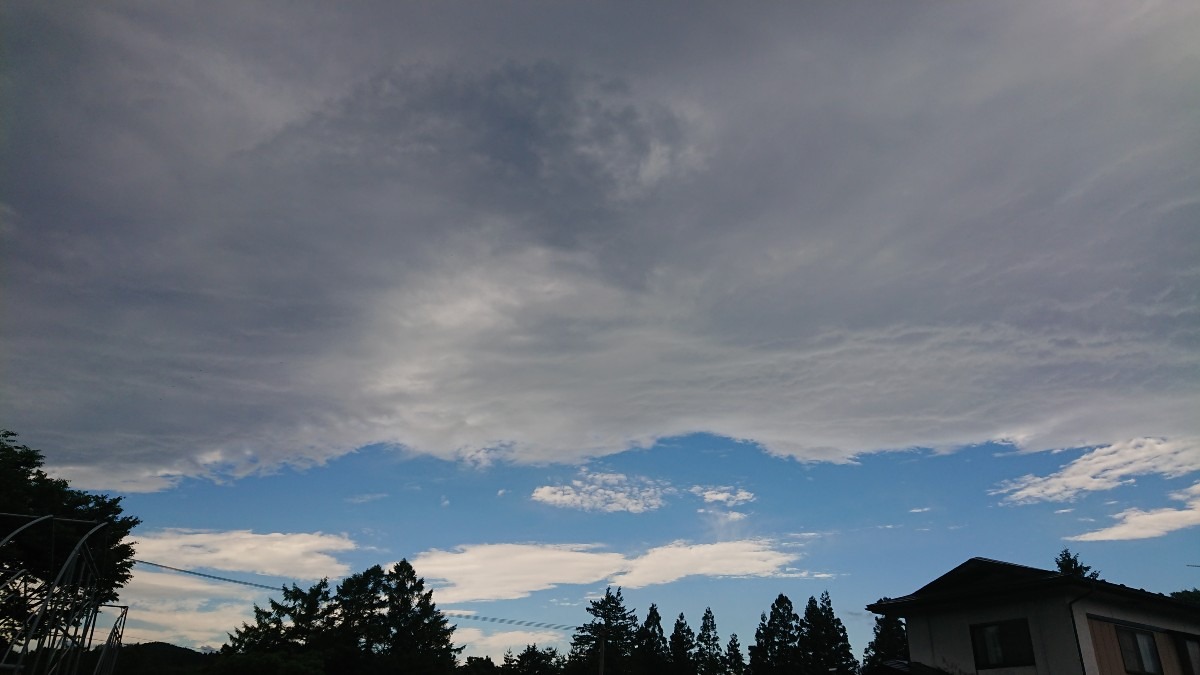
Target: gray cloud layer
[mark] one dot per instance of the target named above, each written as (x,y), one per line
(240,236)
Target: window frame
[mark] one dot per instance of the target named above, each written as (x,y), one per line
(1012,638)
(1136,650)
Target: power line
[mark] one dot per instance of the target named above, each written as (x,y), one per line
(207,576)
(451,613)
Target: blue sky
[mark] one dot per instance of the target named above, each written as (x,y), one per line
(706,301)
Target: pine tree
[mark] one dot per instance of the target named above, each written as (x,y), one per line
(611,632)
(708,646)
(651,655)
(533,661)
(734,663)
(825,647)
(890,641)
(682,644)
(774,651)
(1069,565)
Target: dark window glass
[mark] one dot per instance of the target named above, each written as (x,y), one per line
(1002,644)
(1138,651)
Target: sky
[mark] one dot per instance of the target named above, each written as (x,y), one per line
(710,302)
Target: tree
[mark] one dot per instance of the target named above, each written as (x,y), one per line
(611,632)
(650,653)
(735,664)
(709,659)
(890,641)
(824,646)
(1192,595)
(480,665)
(776,640)
(377,621)
(533,661)
(682,644)
(1069,565)
(27,492)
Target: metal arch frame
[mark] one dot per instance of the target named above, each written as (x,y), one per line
(61,628)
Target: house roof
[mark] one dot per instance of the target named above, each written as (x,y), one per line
(979,580)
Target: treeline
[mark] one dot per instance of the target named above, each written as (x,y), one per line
(386,622)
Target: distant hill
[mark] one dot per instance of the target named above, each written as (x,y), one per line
(160,658)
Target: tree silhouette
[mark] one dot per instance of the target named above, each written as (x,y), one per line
(650,652)
(682,644)
(823,643)
(1069,565)
(735,663)
(774,651)
(890,641)
(709,659)
(610,633)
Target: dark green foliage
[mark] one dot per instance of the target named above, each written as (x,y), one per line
(774,651)
(533,661)
(1069,565)
(1192,595)
(735,663)
(709,659)
(376,622)
(476,665)
(650,652)
(41,550)
(824,647)
(612,627)
(682,645)
(889,643)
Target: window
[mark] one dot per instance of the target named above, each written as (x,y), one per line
(1190,650)
(1002,644)
(1138,651)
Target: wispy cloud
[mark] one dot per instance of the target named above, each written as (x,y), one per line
(1139,524)
(296,555)
(1107,467)
(507,571)
(924,509)
(610,492)
(727,496)
(365,498)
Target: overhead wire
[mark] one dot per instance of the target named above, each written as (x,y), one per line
(448,613)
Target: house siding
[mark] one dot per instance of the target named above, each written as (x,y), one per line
(1108,650)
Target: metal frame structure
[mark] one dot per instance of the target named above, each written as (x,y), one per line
(60,622)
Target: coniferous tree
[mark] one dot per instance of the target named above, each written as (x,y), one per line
(734,662)
(480,665)
(776,641)
(890,641)
(377,621)
(533,661)
(824,647)
(708,646)
(682,644)
(1069,565)
(651,656)
(611,630)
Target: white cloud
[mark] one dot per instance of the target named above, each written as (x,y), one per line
(480,643)
(297,555)
(508,571)
(180,609)
(609,492)
(925,509)
(1139,524)
(752,557)
(1063,510)
(725,495)
(1107,467)
(365,498)
(724,517)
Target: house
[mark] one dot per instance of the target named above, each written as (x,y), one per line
(987,616)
